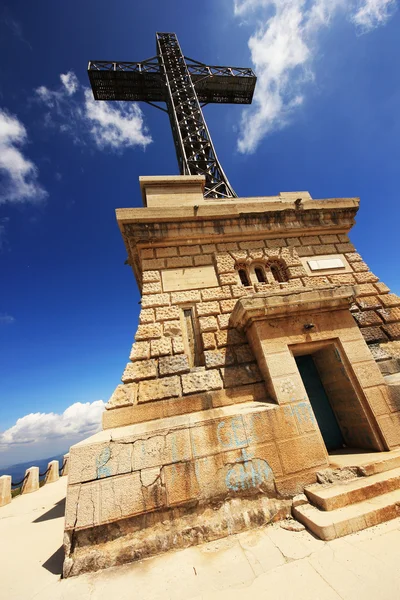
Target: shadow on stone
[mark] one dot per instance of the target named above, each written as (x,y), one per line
(56,512)
(54,564)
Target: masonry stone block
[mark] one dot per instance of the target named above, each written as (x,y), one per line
(392,330)
(221,293)
(152,288)
(374,335)
(207,309)
(366,277)
(166,313)
(219,358)
(368,302)
(5,490)
(53,471)
(172,328)
(153,264)
(208,324)
(151,276)
(183,297)
(201,381)
(140,351)
(389,300)
(166,252)
(169,365)
(209,341)
(179,261)
(178,345)
(223,321)
(244,354)
(148,331)
(123,395)
(161,347)
(142,369)
(241,375)
(353,257)
(382,287)
(181,483)
(203,259)
(157,389)
(367,318)
(31,483)
(229,337)
(390,315)
(154,300)
(365,289)
(146,315)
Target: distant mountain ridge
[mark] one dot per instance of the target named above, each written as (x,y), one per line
(17,471)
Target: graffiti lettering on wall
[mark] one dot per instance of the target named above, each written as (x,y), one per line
(103,470)
(249,473)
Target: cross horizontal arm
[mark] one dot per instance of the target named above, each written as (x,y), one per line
(143,81)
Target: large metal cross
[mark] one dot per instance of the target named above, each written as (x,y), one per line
(182,83)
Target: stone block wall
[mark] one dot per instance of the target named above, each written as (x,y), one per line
(160,364)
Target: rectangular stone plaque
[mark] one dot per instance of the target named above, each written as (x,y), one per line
(326,263)
(189,278)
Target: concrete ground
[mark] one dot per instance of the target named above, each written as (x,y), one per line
(269,562)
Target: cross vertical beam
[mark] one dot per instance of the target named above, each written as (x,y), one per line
(194,148)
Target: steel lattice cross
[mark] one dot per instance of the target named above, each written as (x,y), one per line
(182,83)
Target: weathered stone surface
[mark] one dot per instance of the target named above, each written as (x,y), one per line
(208,248)
(360,266)
(142,369)
(5,490)
(148,331)
(373,335)
(329,239)
(389,300)
(368,302)
(207,309)
(157,389)
(241,375)
(150,276)
(203,259)
(189,250)
(166,313)
(224,263)
(179,261)
(166,252)
(229,337)
(221,293)
(310,240)
(208,324)
(152,288)
(276,243)
(367,317)
(223,321)
(316,281)
(170,365)
(153,264)
(147,315)
(366,277)
(147,253)
(208,341)
(219,358)
(161,347)
(172,328)
(250,245)
(227,306)
(229,279)
(154,300)
(244,354)
(343,279)
(140,351)
(297,272)
(353,257)
(366,289)
(201,381)
(325,249)
(348,247)
(381,287)
(177,345)
(389,315)
(392,330)
(182,297)
(123,395)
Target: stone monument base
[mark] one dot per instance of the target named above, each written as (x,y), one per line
(139,490)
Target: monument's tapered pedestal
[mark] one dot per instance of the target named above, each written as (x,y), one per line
(263,341)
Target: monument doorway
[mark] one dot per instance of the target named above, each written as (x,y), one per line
(338,402)
(326,418)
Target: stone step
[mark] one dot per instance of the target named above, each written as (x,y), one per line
(370,463)
(329,525)
(338,495)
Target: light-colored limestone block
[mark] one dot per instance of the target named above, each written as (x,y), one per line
(154,300)
(31,483)
(201,381)
(5,490)
(172,328)
(142,369)
(167,313)
(148,331)
(178,346)
(140,351)
(208,341)
(185,297)
(219,358)
(208,324)
(147,315)
(123,395)
(169,365)
(217,293)
(53,471)
(205,309)
(166,387)
(150,276)
(241,375)
(152,288)
(161,347)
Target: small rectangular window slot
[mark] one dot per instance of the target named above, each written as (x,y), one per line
(192,336)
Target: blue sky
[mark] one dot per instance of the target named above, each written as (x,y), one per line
(325,119)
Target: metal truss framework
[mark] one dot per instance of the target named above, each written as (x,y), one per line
(182,83)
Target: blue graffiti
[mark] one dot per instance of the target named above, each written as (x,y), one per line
(234,436)
(103,470)
(249,473)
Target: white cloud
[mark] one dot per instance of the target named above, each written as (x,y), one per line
(6,319)
(19,174)
(77,421)
(372,13)
(283,47)
(70,82)
(109,125)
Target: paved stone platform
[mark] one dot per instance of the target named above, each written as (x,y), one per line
(263,562)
